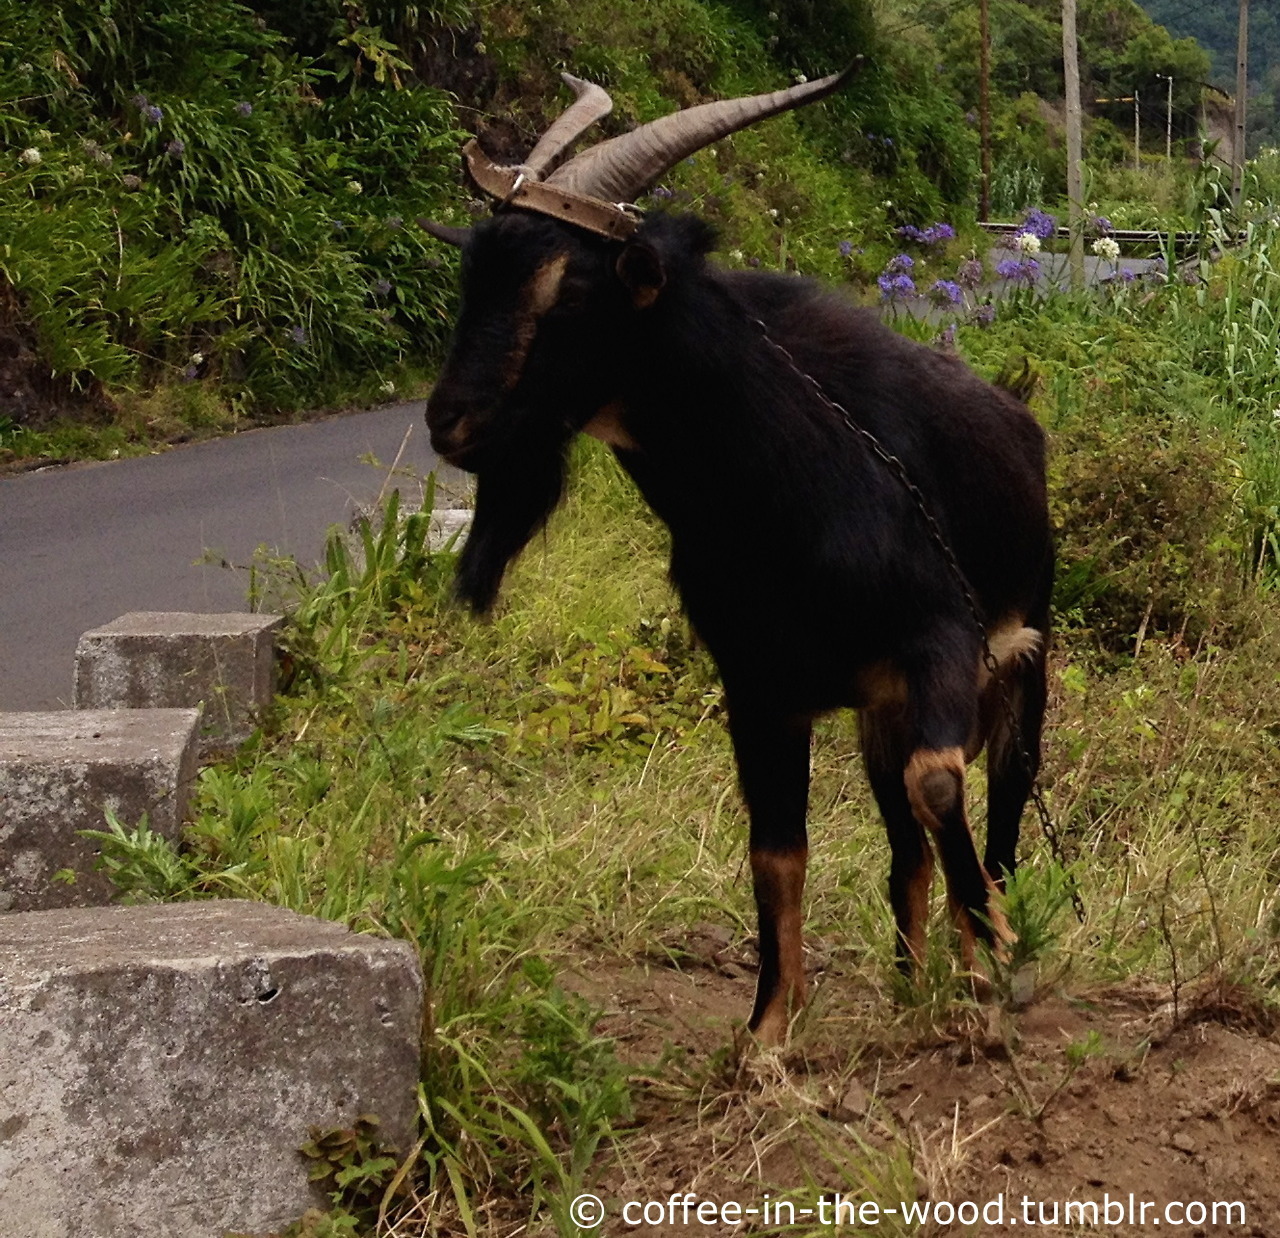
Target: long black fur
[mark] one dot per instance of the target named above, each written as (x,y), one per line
(801,560)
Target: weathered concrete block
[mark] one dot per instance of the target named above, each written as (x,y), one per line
(224,664)
(60,772)
(161,1065)
(446,522)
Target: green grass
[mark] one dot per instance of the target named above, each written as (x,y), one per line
(555,791)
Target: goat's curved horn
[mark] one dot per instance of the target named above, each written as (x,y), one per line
(619,169)
(591,104)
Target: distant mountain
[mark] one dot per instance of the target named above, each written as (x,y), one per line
(1213,24)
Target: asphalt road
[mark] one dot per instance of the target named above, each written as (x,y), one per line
(82,545)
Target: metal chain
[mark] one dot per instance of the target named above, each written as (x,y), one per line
(899,471)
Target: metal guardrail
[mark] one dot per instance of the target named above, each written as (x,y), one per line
(1122,236)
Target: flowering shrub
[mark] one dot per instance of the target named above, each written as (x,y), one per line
(1040,224)
(946,293)
(1106,248)
(895,286)
(935,234)
(1018,270)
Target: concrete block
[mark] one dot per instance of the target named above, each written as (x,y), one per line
(61,771)
(446,522)
(224,664)
(161,1065)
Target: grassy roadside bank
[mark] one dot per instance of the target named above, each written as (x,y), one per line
(546,806)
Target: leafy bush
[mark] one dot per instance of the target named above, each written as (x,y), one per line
(195,201)
(1145,524)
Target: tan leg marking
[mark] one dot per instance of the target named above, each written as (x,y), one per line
(608,426)
(780,876)
(918,889)
(934,779)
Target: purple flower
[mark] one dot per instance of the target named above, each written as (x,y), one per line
(947,337)
(971,118)
(1040,224)
(244,107)
(662,193)
(190,372)
(753,262)
(395,223)
(1127,275)
(298,335)
(935,234)
(901,264)
(983,315)
(1100,224)
(845,248)
(140,101)
(176,147)
(946,292)
(893,286)
(131,182)
(969,273)
(153,114)
(381,287)
(1020,271)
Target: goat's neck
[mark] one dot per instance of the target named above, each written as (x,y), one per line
(707,394)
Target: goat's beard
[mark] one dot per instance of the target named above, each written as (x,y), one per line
(515,495)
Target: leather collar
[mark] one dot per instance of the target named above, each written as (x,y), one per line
(512,188)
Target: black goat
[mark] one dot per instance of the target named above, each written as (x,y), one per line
(801,558)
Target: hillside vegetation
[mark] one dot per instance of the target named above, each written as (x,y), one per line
(218,224)
(208,209)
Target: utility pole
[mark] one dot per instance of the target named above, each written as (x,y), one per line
(1242,92)
(984,105)
(1168,118)
(1137,133)
(1075,152)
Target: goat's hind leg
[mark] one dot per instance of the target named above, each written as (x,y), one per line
(911,867)
(943,713)
(772,754)
(1013,758)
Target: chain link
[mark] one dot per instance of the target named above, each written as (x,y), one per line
(899,471)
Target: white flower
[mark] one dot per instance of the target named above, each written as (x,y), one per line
(75,172)
(773,214)
(1107,249)
(801,79)
(355,187)
(43,135)
(1027,243)
(30,156)
(388,388)
(736,255)
(197,358)
(887,203)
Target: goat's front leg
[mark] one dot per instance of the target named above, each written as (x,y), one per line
(772,753)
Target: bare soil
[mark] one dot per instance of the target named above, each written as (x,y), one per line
(1167,1104)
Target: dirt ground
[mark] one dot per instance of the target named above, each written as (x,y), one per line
(1088,1098)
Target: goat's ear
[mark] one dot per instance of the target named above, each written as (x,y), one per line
(445,232)
(640,269)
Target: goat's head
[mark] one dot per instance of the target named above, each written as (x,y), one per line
(552,283)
